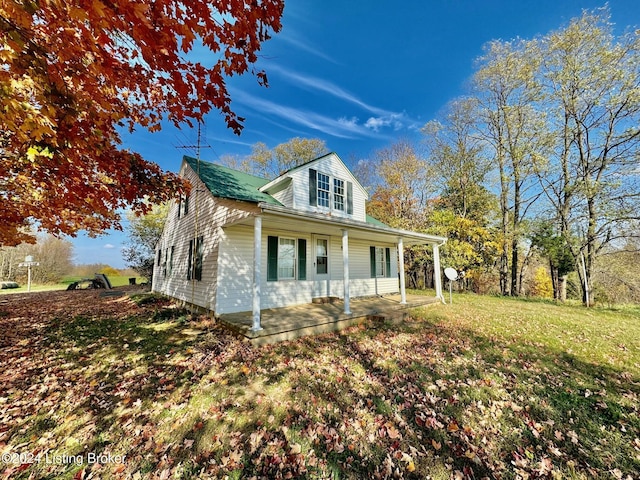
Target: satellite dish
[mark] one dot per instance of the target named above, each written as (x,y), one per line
(451,273)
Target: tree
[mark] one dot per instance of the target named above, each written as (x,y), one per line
(54,256)
(515,130)
(545,238)
(270,163)
(471,248)
(404,184)
(144,234)
(456,154)
(590,80)
(75,72)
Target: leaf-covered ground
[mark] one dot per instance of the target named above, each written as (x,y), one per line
(132,387)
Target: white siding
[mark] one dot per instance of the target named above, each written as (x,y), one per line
(235,272)
(285,196)
(212,214)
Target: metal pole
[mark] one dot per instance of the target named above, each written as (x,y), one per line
(450,287)
(29,277)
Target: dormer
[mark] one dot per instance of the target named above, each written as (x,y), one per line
(324,186)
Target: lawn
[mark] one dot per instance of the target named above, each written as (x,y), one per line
(133,387)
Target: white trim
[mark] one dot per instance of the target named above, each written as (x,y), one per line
(409,236)
(437,274)
(403,293)
(345,267)
(294,276)
(257,277)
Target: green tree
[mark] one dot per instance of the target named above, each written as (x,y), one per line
(514,131)
(471,248)
(457,158)
(54,256)
(590,81)
(143,235)
(552,245)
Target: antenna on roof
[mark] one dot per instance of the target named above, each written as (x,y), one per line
(197,245)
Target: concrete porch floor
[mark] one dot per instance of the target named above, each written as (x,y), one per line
(287,323)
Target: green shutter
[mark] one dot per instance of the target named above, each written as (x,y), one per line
(190,263)
(387,252)
(349,198)
(302,259)
(372,255)
(198,265)
(313,187)
(272,259)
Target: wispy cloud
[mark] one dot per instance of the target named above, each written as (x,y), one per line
(109,246)
(326,86)
(297,42)
(341,127)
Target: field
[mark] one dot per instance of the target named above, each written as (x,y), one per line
(116,281)
(133,387)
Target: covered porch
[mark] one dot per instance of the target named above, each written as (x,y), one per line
(288,323)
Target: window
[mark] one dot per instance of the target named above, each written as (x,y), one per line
(164,265)
(338,194)
(194,267)
(380,262)
(287,259)
(183,205)
(330,192)
(169,261)
(159,258)
(323,190)
(322,256)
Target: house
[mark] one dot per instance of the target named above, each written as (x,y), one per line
(241,243)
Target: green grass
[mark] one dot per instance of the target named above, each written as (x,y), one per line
(485,387)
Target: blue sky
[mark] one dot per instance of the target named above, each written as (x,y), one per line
(359,75)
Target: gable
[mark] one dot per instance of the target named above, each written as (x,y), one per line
(330,162)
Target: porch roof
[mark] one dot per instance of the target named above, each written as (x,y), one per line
(287,219)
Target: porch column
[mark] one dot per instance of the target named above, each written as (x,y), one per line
(403,293)
(345,269)
(257,277)
(437,274)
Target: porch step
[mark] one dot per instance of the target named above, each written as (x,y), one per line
(323,300)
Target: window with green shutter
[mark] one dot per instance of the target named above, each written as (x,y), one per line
(286,258)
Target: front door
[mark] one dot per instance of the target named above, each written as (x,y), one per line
(321,266)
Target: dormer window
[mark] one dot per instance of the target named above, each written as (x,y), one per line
(323,190)
(329,192)
(338,194)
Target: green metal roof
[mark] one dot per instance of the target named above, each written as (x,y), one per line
(226,182)
(375,221)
